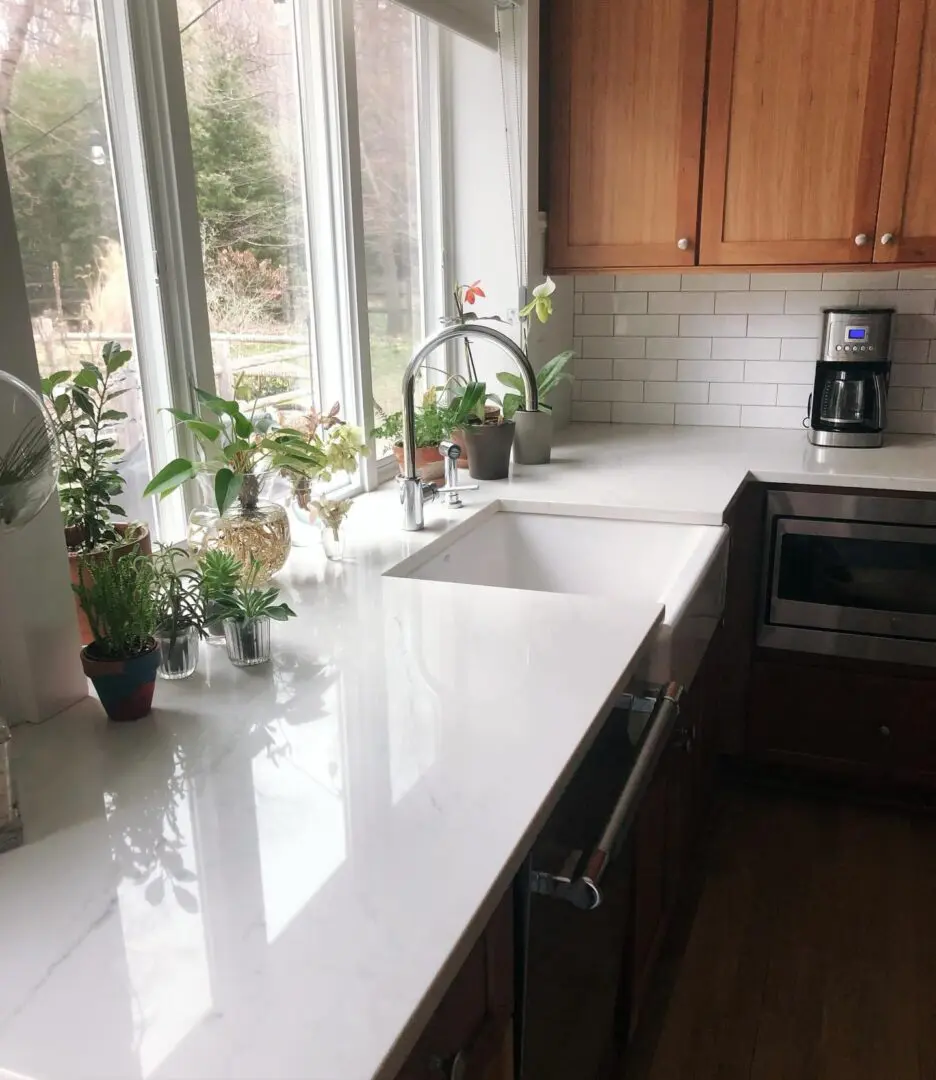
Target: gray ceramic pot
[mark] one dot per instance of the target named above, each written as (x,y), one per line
(488,447)
(533,443)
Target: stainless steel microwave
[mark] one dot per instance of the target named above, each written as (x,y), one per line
(850,575)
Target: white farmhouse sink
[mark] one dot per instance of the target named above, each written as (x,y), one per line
(511,547)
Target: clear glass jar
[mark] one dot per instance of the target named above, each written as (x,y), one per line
(333,541)
(247,640)
(178,653)
(214,624)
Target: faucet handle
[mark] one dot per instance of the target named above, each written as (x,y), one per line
(450,450)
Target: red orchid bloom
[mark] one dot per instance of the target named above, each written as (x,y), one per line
(473,291)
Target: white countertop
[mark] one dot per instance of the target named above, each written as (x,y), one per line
(277,874)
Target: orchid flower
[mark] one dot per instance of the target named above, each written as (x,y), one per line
(542,301)
(473,291)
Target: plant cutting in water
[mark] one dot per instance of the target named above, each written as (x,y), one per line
(332,513)
(180,595)
(247,601)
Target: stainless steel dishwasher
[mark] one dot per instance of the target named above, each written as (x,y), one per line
(573,897)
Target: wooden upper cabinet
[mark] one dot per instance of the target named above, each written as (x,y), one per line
(797,118)
(627,83)
(907,212)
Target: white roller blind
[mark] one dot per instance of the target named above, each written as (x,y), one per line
(474,19)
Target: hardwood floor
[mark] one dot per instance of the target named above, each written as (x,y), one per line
(812,953)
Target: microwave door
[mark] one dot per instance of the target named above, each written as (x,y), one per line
(855,578)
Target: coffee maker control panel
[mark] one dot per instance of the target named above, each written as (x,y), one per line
(855,334)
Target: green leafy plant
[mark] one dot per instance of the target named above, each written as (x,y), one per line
(433,422)
(120,598)
(85,421)
(236,448)
(180,594)
(339,443)
(550,375)
(246,602)
(220,574)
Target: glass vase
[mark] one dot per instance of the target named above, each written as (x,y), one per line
(178,653)
(248,641)
(333,541)
(214,624)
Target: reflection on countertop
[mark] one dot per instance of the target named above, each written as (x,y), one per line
(275,874)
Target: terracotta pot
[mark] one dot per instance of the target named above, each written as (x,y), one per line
(141,545)
(489,450)
(125,687)
(429,463)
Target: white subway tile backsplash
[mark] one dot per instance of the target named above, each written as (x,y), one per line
(679,348)
(614,348)
(794,396)
(709,415)
(773,416)
(729,348)
(591,412)
(611,390)
(784,326)
(778,371)
(657,370)
(682,303)
(586,368)
(648,282)
(860,279)
(631,303)
(743,394)
(785,282)
(812,302)
(625,413)
(677,392)
(715,282)
(646,325)
(591,325)
(713,325)
(746,348)
(749,303)
(711,370)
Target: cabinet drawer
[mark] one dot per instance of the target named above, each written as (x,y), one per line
(876,724)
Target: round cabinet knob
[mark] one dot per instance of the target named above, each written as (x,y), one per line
(861,239)
(888,238)
(684,243)
(884,730)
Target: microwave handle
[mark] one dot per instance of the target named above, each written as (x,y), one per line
(584,892)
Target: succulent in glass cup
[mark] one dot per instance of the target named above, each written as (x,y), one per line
(246,613)
(220,573)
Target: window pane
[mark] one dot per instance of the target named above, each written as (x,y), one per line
(385,42)
(240,77)
(59,161)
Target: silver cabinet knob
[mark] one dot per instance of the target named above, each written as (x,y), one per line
(684,243)
(861,239)
(888,238)
(884,730)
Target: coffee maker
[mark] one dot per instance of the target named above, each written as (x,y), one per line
(848,406)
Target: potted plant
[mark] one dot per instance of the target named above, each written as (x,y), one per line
(239,452)
(246,612)
(533,444)
(120,602)
(332,513)
(182,614)
(82,404)
(220,573)
(432,425)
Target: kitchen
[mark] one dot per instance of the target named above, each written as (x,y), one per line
(739,703)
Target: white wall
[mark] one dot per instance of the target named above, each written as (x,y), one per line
(40,671)
(739,349)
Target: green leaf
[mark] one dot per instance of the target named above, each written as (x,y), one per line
(511,379)
(81,399)
(243,428)
(49,384)
(89,376)
(61,406)
(280,612)
(115,509)
(512,403)
(170,477)
(114,356)
(113,414)
(552,372)
(227,488)
(235,448)
(204,430)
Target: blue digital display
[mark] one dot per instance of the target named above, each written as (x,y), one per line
(857,333)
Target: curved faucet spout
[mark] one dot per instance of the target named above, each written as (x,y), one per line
(451,333)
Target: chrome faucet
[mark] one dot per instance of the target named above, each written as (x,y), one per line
(413,491)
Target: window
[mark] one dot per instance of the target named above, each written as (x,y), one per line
(61,168)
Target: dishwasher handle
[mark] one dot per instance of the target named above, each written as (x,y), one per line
(584,892)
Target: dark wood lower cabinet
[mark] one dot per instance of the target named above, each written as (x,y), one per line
(469,1035)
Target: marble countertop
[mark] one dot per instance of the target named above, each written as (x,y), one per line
(279,872)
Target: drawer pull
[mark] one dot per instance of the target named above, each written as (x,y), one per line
(884,730)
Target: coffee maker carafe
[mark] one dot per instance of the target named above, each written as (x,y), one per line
(848,406)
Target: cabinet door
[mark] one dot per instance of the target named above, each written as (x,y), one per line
(907,214)
(795,130)
(627,80)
